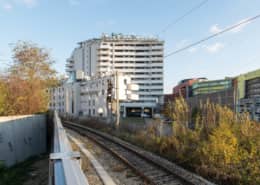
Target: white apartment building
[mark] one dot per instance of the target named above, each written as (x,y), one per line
(65,98)
(94,95)
(90,97)
(137,57)
(57,99)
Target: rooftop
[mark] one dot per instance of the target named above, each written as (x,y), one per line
(125,37)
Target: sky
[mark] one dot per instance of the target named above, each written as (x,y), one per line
(60,24)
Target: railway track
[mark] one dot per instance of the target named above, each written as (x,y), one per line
(153,169)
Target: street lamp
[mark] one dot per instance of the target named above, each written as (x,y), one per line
(100,111)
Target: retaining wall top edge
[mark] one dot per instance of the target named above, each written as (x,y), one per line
(11,118)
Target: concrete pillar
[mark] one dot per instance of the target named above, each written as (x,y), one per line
(124,113)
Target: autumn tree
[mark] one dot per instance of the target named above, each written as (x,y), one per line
(3,94)
(28,79)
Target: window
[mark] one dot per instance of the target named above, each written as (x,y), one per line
(93,102)
(93,112)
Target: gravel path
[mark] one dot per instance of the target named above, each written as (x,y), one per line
(120,173)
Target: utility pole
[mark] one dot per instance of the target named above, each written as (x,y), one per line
(126,96)
(109,100)
(117,102)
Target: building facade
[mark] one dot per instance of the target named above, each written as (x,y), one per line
(57,99)
(250,106)
(184,88)
(249,94)
(93,96)
(211,86)
(224,98)
(198,91)
(240,93)
(137,57)
(98,94)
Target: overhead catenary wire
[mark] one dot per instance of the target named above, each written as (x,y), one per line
(249,20)
(183,16)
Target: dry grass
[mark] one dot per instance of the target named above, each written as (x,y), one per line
(85,163)
(118,168)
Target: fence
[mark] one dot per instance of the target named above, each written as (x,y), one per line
(21,137)
(64,165)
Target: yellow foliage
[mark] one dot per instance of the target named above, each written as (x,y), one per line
(27,80)
(222,145)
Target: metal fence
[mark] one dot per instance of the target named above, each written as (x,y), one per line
(64,163)
(21,137)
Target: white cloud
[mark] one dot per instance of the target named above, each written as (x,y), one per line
(215,29)
(8,6)
(214,48)
(241,27)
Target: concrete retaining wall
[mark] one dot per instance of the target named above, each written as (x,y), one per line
(21,137)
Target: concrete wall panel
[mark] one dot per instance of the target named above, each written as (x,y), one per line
(21,138)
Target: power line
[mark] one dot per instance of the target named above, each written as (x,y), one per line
(183,16)
(249,20)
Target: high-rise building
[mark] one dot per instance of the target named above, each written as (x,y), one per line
(137,57)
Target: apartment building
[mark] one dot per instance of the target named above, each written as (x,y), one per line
(137,57)
(98,94)
(94,96)
(57,99)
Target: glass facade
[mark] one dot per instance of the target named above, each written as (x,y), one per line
(207,87)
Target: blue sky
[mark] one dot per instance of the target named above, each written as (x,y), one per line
(60,24)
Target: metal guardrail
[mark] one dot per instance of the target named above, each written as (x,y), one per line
(64,165)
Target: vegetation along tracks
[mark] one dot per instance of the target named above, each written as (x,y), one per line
(154,169)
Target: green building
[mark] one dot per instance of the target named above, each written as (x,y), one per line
(211,86)
(248,94)
(242,80)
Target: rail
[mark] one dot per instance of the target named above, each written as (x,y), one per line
(105,139)
(64,165)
